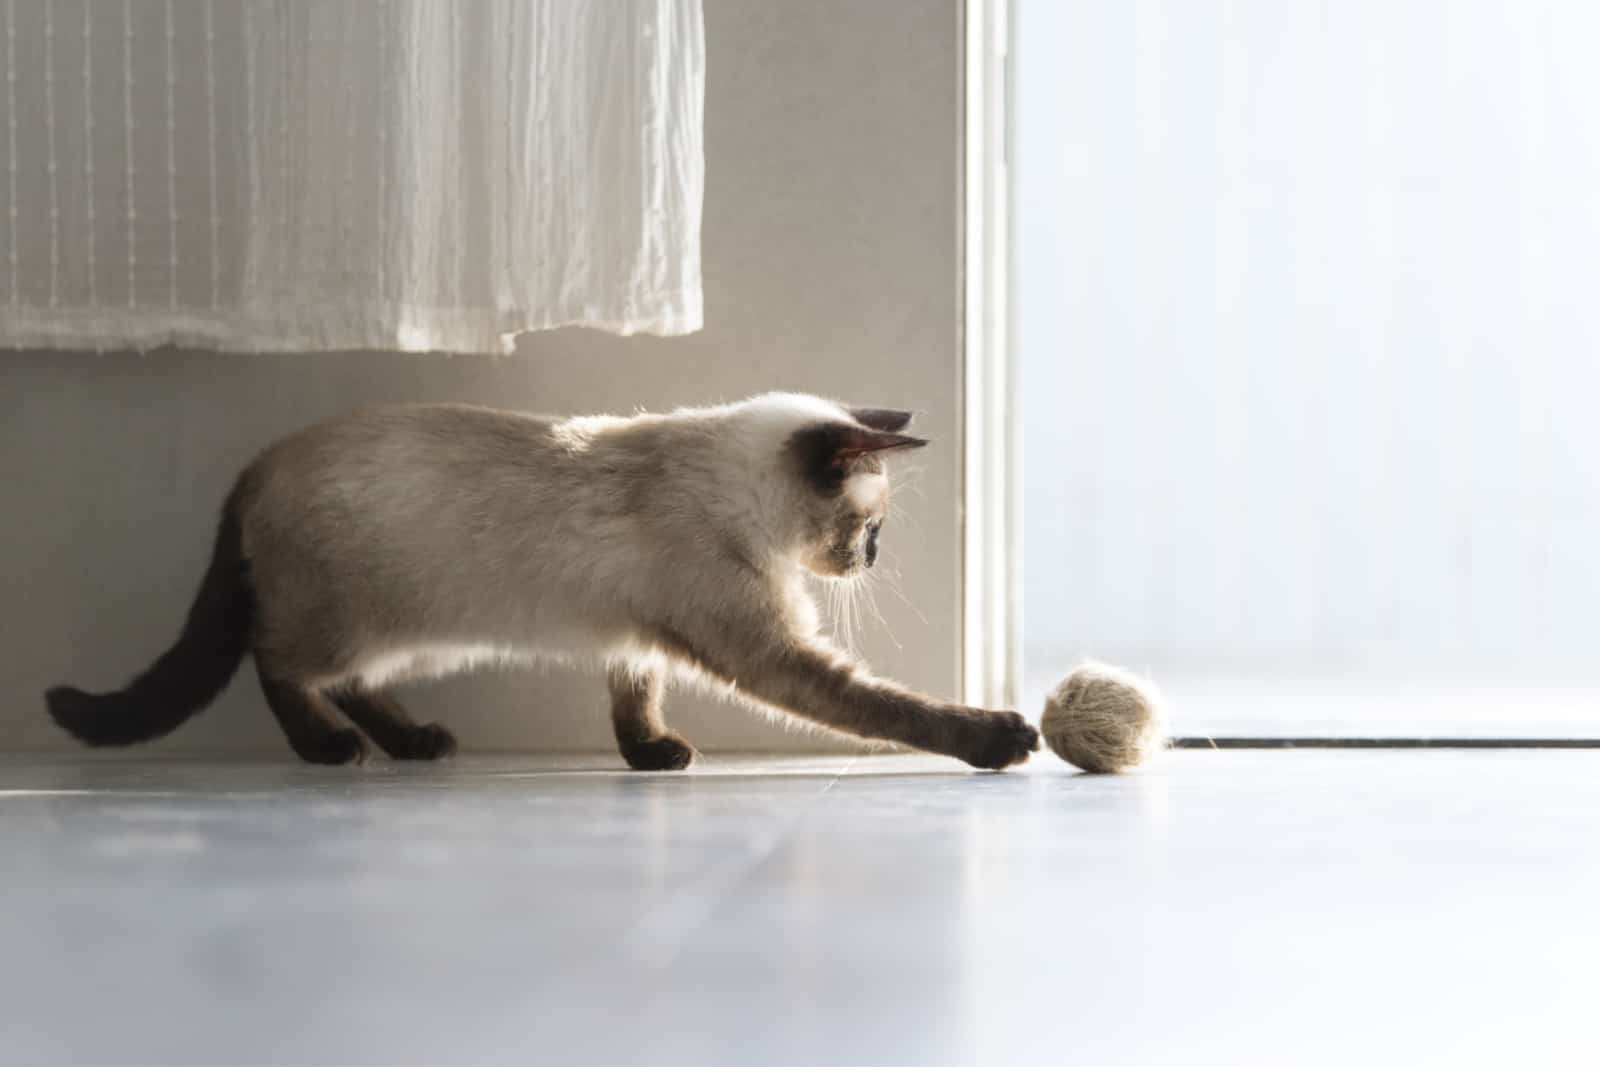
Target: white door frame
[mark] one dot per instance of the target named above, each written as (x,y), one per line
(991,593)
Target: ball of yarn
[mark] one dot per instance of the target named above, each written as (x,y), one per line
(1104,719)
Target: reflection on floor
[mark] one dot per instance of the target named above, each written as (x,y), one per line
(1247,907)
(1254,704)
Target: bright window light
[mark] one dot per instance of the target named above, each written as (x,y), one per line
(1308,328)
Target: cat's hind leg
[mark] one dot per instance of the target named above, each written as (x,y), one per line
(310,721)
(642,734)
(388,723)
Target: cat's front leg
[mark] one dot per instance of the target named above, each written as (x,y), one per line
(819,683)
(642,734)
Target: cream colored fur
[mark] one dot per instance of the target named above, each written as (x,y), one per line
(416,541)
(422,540)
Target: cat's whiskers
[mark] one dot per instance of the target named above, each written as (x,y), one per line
(909,477)
(857,587)
(843,602)
(870,594)
(852,622)
(835,611)
(892,579)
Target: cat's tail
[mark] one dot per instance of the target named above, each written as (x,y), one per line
(190,674)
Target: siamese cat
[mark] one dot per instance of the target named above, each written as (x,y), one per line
(416,541)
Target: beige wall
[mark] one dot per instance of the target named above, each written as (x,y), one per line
(831,264)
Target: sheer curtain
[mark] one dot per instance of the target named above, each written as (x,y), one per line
(401,174)
(1309,350)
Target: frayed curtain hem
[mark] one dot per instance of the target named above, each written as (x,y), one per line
(390,327)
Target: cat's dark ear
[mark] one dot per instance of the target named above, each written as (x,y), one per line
(826,452)
(851,443)
(888,420)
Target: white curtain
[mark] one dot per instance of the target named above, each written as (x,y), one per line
(248,175)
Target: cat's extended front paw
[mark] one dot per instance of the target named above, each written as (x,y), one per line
(669,752)
(1001,738)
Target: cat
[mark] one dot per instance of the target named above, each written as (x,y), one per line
(415,541)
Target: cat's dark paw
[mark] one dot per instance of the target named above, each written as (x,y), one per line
(669,752)
(427,742)
(1002,738)
(334,747)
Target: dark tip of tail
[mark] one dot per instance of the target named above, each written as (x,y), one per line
(94,720)
(187,676)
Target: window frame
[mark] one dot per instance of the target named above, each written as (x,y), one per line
(991,591)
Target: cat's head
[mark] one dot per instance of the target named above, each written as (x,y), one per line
(836,478)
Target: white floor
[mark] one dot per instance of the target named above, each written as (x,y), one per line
(1228,908)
